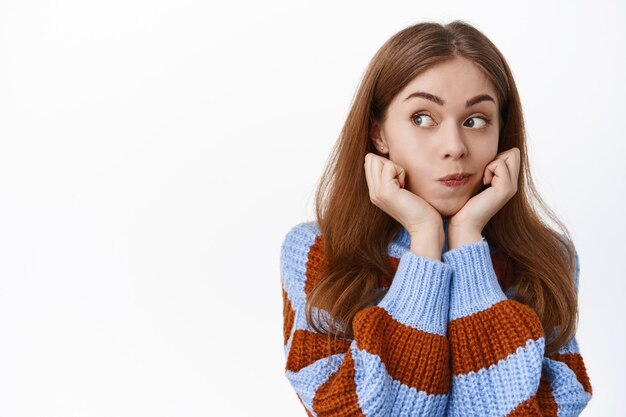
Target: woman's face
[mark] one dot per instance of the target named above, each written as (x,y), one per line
(431,132)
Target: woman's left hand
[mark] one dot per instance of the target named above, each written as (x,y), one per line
(502,174)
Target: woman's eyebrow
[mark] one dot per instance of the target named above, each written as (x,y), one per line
(437,100)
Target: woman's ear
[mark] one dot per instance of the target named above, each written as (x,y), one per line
(377,139)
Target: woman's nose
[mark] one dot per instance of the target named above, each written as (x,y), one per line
(453,143)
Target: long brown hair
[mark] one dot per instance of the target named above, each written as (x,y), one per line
(355,233)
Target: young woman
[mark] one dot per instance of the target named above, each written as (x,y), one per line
(429,285)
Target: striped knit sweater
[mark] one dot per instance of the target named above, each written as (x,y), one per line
(445,339)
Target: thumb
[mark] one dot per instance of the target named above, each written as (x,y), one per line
(401,177)
(488,174)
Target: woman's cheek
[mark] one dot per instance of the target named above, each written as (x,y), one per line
(478,187)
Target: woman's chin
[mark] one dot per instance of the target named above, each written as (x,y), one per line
(449,208)
(446,214)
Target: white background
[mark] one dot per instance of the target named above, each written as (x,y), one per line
(153,154)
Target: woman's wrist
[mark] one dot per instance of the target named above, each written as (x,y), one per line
(459,236)
(428,242)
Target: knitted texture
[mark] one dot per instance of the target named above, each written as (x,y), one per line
(444,340)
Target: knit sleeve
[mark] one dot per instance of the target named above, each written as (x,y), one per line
(397,363)
(497,347)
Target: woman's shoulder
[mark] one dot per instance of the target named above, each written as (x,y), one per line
(299,239)
(302,234)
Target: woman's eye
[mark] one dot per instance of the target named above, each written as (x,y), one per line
(486,122)
(420,118)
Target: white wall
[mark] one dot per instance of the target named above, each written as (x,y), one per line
(154,153)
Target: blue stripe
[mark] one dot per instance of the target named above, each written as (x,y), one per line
(474,286)
(499,389)
(307,381)
(419,294)
(568,392)
(379,394)
(293,259)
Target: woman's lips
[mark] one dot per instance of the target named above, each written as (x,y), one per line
(455,183)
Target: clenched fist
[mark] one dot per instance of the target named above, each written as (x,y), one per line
(385,180)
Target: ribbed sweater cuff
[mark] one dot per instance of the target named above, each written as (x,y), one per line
(474,285)
(419,293)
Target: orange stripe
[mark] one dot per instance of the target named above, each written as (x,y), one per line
(288,317)
(337,396)
(308,347)
(314,264)
(397,345)
(576,364)
(544,397)
(484,338)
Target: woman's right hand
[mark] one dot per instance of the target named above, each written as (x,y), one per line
(385,180)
